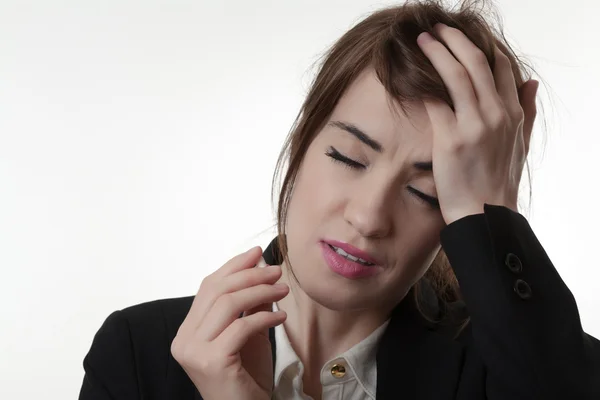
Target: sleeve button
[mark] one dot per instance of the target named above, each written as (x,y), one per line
(523,289)
(513,263)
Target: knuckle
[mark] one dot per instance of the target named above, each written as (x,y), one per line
(183,352)
(473,141)
(207,365)
(207,282)
(448,30)
(498,120)
(176,348)
(210,287)
(471,137)
(239,326)
(225,302)
(517,113)
(503,58)
(456,146)
(256,276)
(459,73)
(480,59)
(197,360)
(477,128)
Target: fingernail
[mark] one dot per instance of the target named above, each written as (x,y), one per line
(261,263)
(280,286)
(272,268)
(425,38)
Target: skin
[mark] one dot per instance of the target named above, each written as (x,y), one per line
(369,207)
(477,152)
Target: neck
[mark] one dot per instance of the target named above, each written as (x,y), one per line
(318,334)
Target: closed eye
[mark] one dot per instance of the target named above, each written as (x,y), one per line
(339,157)
(429,200)
(336,156)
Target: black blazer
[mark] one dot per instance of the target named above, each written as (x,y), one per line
(524,339)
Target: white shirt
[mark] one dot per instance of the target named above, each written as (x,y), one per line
(350,376)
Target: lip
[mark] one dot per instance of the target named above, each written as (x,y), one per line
(353,251)
(345,267)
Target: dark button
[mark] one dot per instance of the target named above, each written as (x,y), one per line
(523,289)
(513,263)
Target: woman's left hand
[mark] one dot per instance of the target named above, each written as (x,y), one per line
(479,149)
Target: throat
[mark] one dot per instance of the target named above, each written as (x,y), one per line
(312,386)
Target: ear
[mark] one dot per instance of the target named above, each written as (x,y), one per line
(527,98)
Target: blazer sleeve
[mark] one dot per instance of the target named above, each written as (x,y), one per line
(109,365)
(524,320)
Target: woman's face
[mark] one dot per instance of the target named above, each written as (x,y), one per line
(369,194)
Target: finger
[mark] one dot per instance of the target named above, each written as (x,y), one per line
(230,284)
(261,263)
(228,307)
(527,98)
(440,114)
(475,62)
(455,76)
(235,336)
(505,83)
(265,306)
(259,308)
(242,261)
(248,278)
(219,283)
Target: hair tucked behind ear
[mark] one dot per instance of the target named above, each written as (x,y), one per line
(386,40)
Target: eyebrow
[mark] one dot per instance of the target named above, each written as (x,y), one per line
(359,134)
(426,166)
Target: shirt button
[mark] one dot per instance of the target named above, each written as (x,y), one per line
(338,370)
(513,263)
(523,289)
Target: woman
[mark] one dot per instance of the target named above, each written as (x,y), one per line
(407,154)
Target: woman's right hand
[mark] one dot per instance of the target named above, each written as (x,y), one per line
(225,356)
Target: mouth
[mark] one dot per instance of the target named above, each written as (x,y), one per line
(349,261)
(353,253)
(350,257)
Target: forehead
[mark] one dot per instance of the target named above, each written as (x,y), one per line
(367,104)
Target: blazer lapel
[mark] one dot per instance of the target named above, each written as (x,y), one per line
(414,361)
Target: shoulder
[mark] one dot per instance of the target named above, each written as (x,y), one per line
(169,312)
(131,351)
(150,321)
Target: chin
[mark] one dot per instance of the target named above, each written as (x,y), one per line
(334,301)
(330,290)
(339,294)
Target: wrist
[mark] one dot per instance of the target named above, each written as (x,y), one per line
(455,214)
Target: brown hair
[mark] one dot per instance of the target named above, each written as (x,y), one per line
(387,41)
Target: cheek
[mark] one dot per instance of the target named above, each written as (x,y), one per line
(316,196)
(418,244)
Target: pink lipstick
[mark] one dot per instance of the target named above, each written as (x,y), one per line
(348,261)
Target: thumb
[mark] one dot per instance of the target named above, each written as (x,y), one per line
(527,98)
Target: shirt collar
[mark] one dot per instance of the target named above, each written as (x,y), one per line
(285,357)
(361,358)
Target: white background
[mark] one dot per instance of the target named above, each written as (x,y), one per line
(138,139)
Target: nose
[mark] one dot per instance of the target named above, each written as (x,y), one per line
(370,212)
